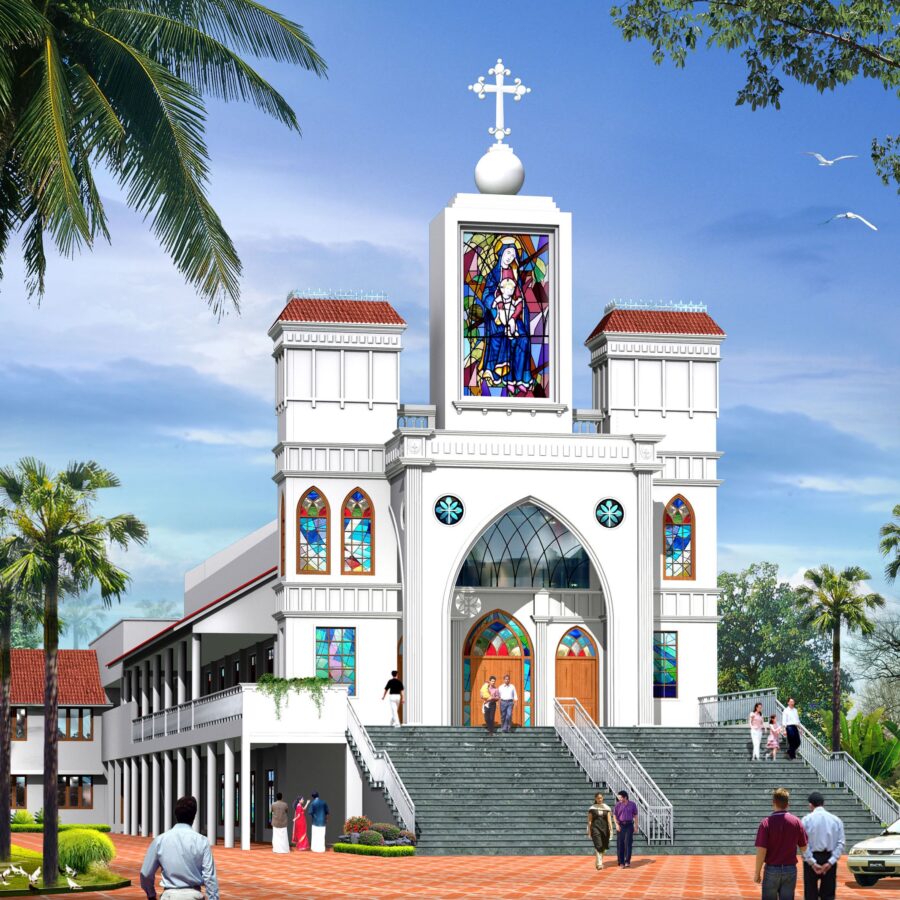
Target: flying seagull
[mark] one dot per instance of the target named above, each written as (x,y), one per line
(851,215)
(829,162)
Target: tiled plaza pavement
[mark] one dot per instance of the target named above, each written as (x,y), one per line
(262,875)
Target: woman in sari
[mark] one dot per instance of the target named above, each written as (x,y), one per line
(301,842)
(599,827)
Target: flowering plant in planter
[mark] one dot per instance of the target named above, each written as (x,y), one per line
(357,824)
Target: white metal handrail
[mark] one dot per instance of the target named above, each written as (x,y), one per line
(209,710)
(618,769)
(381,769)
(832,767)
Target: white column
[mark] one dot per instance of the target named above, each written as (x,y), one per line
(145,795)
(195,666)
(458,630)
(413,634)
(167,677)
(154,794)
(542,705)
(195,782)
(180,778)
(167,800)
(229,793)
(353,785)
(245,791)
(112,813)
(145,689)
(154,682)
(126,796)
(645,557)
(211,817)
(181,668)
(134,826)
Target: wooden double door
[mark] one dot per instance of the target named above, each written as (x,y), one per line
(482,667)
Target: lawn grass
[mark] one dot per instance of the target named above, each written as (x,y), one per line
(99,878)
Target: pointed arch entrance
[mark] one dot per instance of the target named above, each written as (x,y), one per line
(497,644)
(576,669)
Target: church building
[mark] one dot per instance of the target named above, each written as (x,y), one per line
(497,530)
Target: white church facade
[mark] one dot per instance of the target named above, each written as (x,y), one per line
(497,530)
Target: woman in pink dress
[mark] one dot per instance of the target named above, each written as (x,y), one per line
(301,841)
(775,732)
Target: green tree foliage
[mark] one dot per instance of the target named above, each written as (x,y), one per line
(824,45)
(890,545)
(873,741)
(765,643)
(120,85)
(51,533)
(833,601)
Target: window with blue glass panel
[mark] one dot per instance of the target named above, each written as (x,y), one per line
(336,656)
(665,664)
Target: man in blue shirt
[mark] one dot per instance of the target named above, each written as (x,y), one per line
(184,857)
(318,814)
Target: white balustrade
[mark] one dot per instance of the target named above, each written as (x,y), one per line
(223,706)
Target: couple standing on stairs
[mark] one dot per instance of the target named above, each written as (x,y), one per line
(600,822)
(506,696)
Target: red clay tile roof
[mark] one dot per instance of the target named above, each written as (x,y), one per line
(350,312)
(653,321)
(79,678)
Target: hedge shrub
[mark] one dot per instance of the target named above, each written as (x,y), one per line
(371,839)
(80,848)
(409,836)
(387,830)
(365,850)
(22,817)
(63,826)
(357,824)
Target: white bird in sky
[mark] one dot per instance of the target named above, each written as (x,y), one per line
(73,885)
(829,162)
(852,215)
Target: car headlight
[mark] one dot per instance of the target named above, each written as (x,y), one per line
(858,851)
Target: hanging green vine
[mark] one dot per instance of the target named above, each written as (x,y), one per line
(278,689)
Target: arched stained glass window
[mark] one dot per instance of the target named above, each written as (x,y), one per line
(576,642)
(679,538)
(497,635)
(358,534)
(312,533)
(526,547)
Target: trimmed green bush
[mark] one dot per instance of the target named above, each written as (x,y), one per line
(22,817)
(387,830)
(371,839)
(364,850)
(409,836)
(64,826)
(80,848)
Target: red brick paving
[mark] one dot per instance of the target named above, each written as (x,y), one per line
(262,875)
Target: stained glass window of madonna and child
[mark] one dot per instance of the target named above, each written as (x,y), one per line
(506,314)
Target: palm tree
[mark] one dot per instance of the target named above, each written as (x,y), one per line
(890,545)
(833,602)
(119,84)
(83,616)
(52,535)
(14,606)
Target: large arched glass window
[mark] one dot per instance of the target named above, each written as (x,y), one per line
(526,547)
(358,536)
(679,538)
(312,533)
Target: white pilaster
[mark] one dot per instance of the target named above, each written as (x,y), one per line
(126,796)
(353,786)
(195,782)
(245,791)
(195,666)
(155,789)
(540,675)
(145,689)
(134,826)
(211,817)
(645,557)
(180,775)
(458,630)
(167,800)
(145,795)
(413,633)
(181,677)
(229,793)
(167,677)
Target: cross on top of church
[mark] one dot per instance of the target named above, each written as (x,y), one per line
(517,89)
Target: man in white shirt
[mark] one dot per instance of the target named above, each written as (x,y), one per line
(826,844)
(791,721)
(508,697)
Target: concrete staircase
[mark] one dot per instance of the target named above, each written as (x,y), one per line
(522,793)
(719,794)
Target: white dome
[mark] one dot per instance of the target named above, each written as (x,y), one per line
(499,171)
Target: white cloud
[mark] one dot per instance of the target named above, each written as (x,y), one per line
(253,437)
(867,486)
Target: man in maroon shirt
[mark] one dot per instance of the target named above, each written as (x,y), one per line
(779,838)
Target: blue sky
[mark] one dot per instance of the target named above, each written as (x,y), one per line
(676,193)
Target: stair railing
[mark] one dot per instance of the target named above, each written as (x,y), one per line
(832,767)
(381,769)
(618,769)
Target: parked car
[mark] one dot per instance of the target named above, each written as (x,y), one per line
(877,857)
